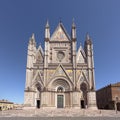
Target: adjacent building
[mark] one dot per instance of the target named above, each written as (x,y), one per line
(109,96)
(6,105)
(60,76)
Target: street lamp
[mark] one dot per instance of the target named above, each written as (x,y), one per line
(116,101)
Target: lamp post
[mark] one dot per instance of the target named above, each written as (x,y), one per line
(116,101)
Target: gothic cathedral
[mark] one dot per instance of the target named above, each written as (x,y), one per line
(60,76)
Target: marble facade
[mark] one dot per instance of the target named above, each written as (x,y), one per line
(60,76)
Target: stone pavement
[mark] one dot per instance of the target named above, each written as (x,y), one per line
(59,118)
(52,114)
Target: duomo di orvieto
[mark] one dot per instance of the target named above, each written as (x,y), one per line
(60,76)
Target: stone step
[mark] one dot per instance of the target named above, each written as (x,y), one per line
(60,112)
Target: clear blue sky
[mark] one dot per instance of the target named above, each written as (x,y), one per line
(20,18)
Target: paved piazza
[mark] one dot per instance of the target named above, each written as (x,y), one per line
(59,114)
(59,118)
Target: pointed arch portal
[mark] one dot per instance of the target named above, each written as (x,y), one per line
(83,88)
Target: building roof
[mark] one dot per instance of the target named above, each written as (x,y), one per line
(110,85)
(6,101)
(116,84)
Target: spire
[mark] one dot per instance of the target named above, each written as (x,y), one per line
(32,43)
(73,24)
(73,33)
(32,39)
(47,30)
(33,36)
(87,36)
(47,24)
(88,39)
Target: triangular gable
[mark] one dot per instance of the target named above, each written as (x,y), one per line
(39,55)
(40,50)
(37,79)
(81,55)
(82,78)
(60,72)
(60,34)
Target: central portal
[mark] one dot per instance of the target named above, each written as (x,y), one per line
(38,103)
(60,100)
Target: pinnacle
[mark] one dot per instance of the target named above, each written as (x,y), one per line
(33,36)
(87,37)
(47,24)
(73,23)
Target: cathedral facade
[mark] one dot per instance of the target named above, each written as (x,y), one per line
(60,76)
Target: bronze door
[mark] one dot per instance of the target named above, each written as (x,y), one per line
(60,101)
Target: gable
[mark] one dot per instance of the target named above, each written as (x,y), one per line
(39,55)
(82,78)
(39,58)
(37,79)
(60,72)
(80,58)
(60,34)
(81,55)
